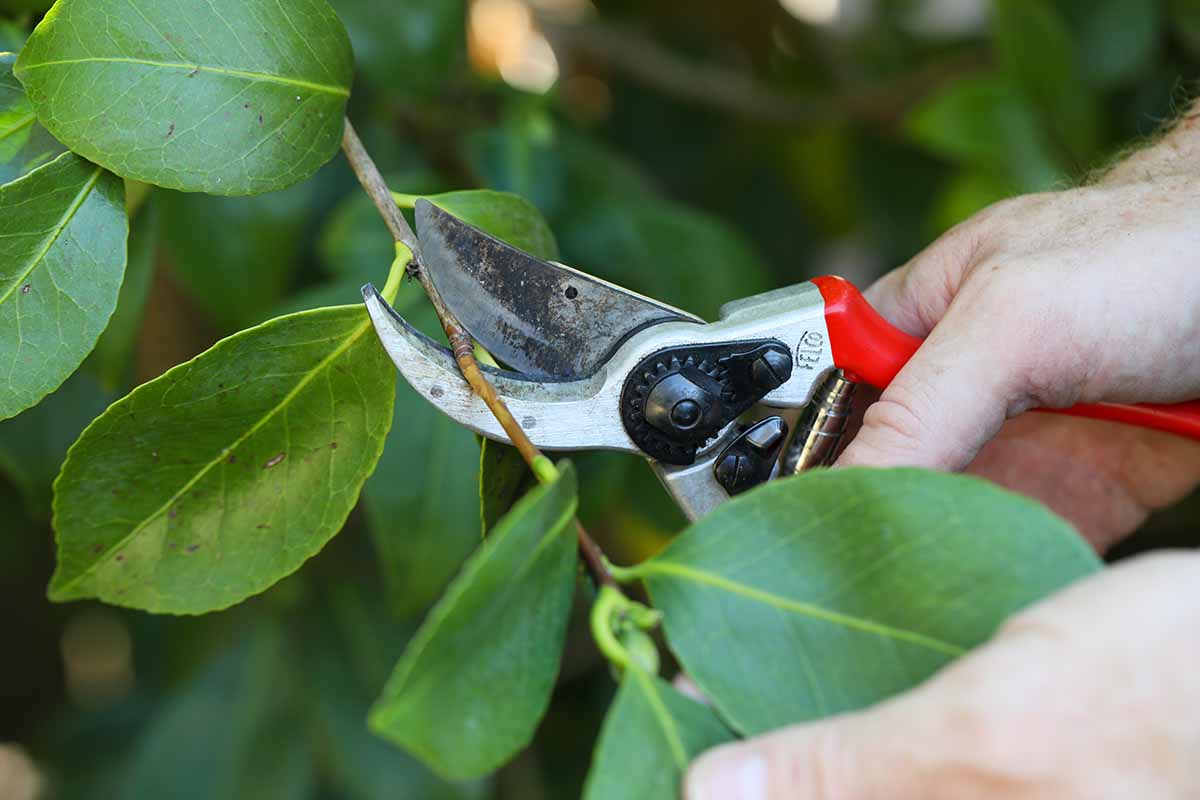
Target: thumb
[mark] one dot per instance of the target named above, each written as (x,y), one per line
(851,757)
(951,397)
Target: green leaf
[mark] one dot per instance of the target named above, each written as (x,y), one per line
(674,254)
(24,144)
(225,97)
(477,677)
(34,443)
(503,479)
(354,242)
(230,734)
(111,360)
(62,258)
(1117,40)
(414,49)
(236,255)
(421,503)
(362,766)
(506,216)
(650,735)
(967,194)
(1036,50)
(986,122)
(221,477)
(869,581)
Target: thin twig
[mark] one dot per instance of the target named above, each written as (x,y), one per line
(460,341)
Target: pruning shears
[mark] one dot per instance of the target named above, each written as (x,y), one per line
(594,366)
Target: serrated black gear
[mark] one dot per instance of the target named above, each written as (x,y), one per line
(726,365)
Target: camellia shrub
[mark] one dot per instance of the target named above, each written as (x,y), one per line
(220,478)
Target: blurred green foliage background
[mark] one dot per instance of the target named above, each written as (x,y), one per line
(693,150)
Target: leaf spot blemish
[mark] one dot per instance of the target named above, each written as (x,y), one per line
(333,445)
(260,119)
(436,392)
(262,526)
(191,548)
(97,549)
(195,71)
(275,461)
(171,130)
(26,289)
(120,556)
(232,458)
(529,422)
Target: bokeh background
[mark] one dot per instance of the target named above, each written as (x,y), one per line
(694,150)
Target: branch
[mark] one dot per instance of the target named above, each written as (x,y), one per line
(729,91)
(460,341)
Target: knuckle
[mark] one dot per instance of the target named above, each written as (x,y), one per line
(893,418)
(819,771)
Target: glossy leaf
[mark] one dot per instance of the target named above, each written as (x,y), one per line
(214,481)
(354,241)
(650,735)
(470,689)
(236,255)
(422,502)
(412,50)
(225,97)
(661,249)
(1035,49)
(113,356)
(869,580)
(504,215)
(34,443)
(24,144)
(360,765)
(62,258)
(987,123)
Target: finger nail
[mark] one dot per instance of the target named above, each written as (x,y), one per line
(728,773)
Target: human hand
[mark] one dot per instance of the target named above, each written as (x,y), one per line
(1091,694)
(1050,300)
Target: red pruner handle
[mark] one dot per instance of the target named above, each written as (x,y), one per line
(869,349)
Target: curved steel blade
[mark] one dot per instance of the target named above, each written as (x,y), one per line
(546,320)
(557,415)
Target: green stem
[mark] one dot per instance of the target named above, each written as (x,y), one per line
(396,273)
(622,574)
(609,603)
(405,200)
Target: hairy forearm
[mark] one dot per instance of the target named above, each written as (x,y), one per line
(1175,153)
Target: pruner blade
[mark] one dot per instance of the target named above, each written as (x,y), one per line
(544,319)
(556,415)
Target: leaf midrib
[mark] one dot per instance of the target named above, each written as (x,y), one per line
(220,458)
(59,227)
(266,77)
(438,616)
(22,123)
(798,607)
(663,716)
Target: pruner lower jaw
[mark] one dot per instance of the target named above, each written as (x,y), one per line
(673,392)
